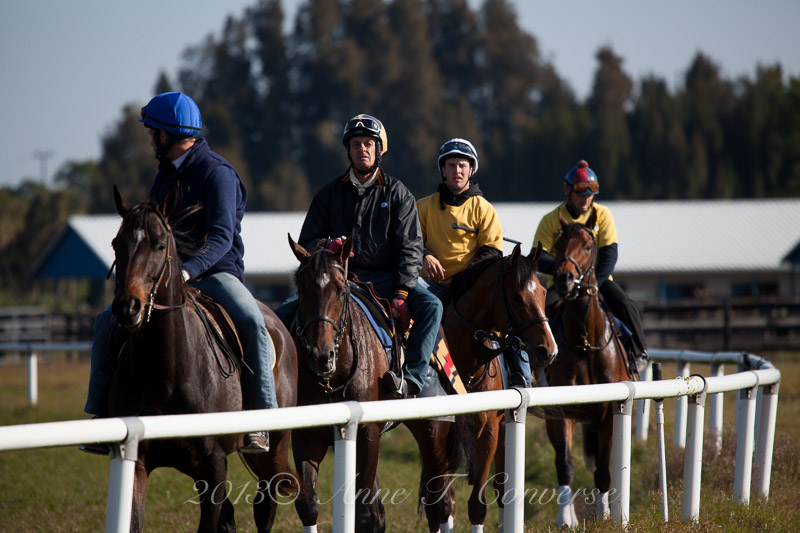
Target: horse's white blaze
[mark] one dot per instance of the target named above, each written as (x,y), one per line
(552,338)
(323,280)
(532,285)
(138,237)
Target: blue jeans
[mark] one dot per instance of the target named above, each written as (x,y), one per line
(426,312)
(259,352)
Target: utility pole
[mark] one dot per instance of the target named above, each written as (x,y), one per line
(43,156)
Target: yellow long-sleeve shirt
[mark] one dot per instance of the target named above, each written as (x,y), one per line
(456,248)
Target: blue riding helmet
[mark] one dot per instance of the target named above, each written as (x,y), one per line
(582,179)
(175,113)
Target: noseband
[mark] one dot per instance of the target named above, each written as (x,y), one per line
(583,274)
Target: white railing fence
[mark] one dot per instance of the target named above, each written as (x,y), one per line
(126,433)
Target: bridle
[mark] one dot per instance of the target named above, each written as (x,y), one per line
(339,327)
(511,338)
(166,268)
(583,274)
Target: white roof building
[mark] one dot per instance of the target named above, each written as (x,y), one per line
(667,248)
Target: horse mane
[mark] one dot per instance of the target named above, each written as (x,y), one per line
(465,280)
(184,245)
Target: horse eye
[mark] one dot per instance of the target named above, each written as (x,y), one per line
(517,298)
(160,247)
(588,248)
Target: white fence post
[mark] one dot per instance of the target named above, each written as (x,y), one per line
(715,402)
(693,458)
(745,422)
(679,437)
(621,459)
(643,409)
(121,477)
(513,519)
(33,378)
(344,472)
(766,439)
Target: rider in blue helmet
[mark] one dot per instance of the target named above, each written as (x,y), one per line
(176,115)
(199,176)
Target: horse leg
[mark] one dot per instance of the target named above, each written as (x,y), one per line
(275,479)
(370,517)
(140,478)
(485,447)
(560,432)
(216,510)
(602,471)
(500,469)
(435,487)
(309,449)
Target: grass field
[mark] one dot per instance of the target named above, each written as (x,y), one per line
(62,489)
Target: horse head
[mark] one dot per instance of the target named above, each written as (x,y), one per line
(323,303)
(576,252)
(524,301)
(145,260)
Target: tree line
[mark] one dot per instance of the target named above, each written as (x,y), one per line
(274,103)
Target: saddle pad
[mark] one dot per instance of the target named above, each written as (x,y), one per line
(440,358)
(382,334)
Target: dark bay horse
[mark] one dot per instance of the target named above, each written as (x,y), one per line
(169,364)
(341,358)
(590,352)
(506,297)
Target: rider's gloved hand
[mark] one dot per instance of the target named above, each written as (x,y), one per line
(400,312)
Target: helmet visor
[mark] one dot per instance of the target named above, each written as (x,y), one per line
(457,146)
(586,187)
(368,124)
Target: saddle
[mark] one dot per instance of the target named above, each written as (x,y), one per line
(377,310)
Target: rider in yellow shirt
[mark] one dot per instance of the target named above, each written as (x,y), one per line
(580,187)
(460,230)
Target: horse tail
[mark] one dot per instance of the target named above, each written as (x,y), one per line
(458,444)
(591,440)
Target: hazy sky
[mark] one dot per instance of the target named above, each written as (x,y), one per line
(68,66)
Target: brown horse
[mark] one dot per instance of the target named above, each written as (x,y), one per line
(169,364)
(589,352)
(506,297)
(341,358)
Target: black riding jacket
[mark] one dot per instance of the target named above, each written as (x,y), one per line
(383,222)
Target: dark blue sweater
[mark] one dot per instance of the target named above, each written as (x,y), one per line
(204,178)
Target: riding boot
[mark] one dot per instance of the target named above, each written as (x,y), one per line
(396,387)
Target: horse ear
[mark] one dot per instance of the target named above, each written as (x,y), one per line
(562,220)
(347,248)
(515,254)
(535,254)
(123,206)
(300,253)
(592,222)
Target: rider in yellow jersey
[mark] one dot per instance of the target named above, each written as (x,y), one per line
(461,230)
(580,187)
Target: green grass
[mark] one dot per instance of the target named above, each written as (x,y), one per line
(61,489)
